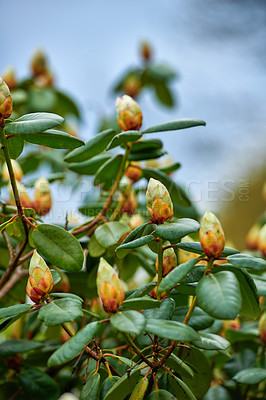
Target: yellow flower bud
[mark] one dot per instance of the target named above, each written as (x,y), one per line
(9,78)
(134,172)
(6,104)
(23,195)
(252,238)
(262,240)
(40,281)
(109,286)
(169,260)
(183,255)
(130,204)
(42,196)
(16,168)
(262,328)
(129,115)
(158,200)
(211,235)
(38,63)
(132,85)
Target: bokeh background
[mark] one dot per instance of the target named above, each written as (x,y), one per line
(217,49)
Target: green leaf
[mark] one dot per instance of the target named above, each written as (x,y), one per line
(140,389)
(179,366)
(94,146)
(60,311)
(250,376)
(199,319)
(95,249)
(68,295)
(142,303)
(65,105)
(217,393)
(33,123)
(247,261)
(73,347)
(56,276)
(219,295)
(91,388)
(10,347)
(146,145)
(59,247)
(163,94)
(38,385)
(176,230)
(141,291)
(121,251)
(160,394)
(165,311)
(15,146)
(180,389)
(176,275)
(171,330)
(109,233)
(124,138)
(124,386)
(107,385)
(175,125)
(168,169)
(108,171)
(89,167)
(128,321)
(54,139)
(210,341)
(195,247)
(14,311)
(144,155)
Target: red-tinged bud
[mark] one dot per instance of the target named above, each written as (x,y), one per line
(169,260)
(183,255)
(10,78)
(262,240)
(42,196)
(129,115)
(132,85)
(38,63)
(40,281)
(16,168)
(130,204)
(153,293)
(146,51)
(6,103)
(211,235)
(23,195)
(233,324)
(109,286)
(262,328)
(135,221)
(252,238)
(158,200)
(134,172)
(97,308)
(44,80)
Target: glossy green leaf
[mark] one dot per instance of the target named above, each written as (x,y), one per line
(179,366)
(141,291)
(175,125)
(15,146)
(176,275)
(67,295)
(219,295)
(59,247)
(108,171)
(165,311)
(140,389)
(128,321)
(38,385)
(210,341)
(121,250)
(33,123)
(142,303)
(195,247)
(94,146)
(73,347)
(124,386)
(251,376)
(160,394)
(176,230)
(54,139)
(171,330)
(217,393)
(147,145)
(199,319)
(247,261)
(91,166)
(13,346)
(107,385)
(124,138)
(145,155)
(180,389)
(60,311)
(95,249)
(110,233)
(14,311)
(92,387)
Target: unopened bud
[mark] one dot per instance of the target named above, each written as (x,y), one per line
(132,85)
(146,51)
(42,196)
(211,235)
(130,204)
(134,172)
(16,168)
(44,80)
(158,200)
(233,324)
(40,281)
(262,328)
(252,238)
(153,293)
(262,240)
(38,63)
(135,221)
(10,78)
(6,103)
(109,286)
(23,195)
(183,255)
(169,259)
(129,115)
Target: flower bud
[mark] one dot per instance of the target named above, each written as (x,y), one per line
(252,238)
(16,168)
(40,281)
(23,195)
(153,293)
(262,240)
(132,85)
(42,196)
(135,221)
(109,286)
(6,104)
(159,204)
(262,328)
(134,172)
(183,255)
(9,78)
(38,63)
(169,260)
(211,235)
(130,204)
(129,115)
(146,51)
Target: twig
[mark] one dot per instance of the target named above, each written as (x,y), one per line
(19,274)
(8,245)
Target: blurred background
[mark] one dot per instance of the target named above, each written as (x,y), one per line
(214,55)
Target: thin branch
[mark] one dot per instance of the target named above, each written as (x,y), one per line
(19,274)
(10,249)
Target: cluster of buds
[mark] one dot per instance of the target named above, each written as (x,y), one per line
(158,200)
(134,172)
(169,259)
(40,281)
(211,235)
(129,115)
(109,287)
(6,103)
(40,70)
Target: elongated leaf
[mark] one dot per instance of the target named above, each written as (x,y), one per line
(247,261)
(168,169)
(199,320)
(142,303)
(209,341)
(180,389)
(176,275)
(124,386)
(108,171)
(144,155)
(177,230)
(15,146)
(219,295)
(195,247)
(33,123)
(147,145)
(120,251)
(38,384)
(251,376)
(91,389)
(109,233)
(140,389)
(165,311)
(107,384)
(93,147)
(175,125)
(171,330)
(11,347)
(161,394)
(14,311)
(59,247)
(123,138)
(60,311)
(141,291)
(75,344)
(54,139)
(91,166)
(179,366)
(163,94)
(128,321)
(217,393)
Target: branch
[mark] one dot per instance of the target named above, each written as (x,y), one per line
(19,274)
